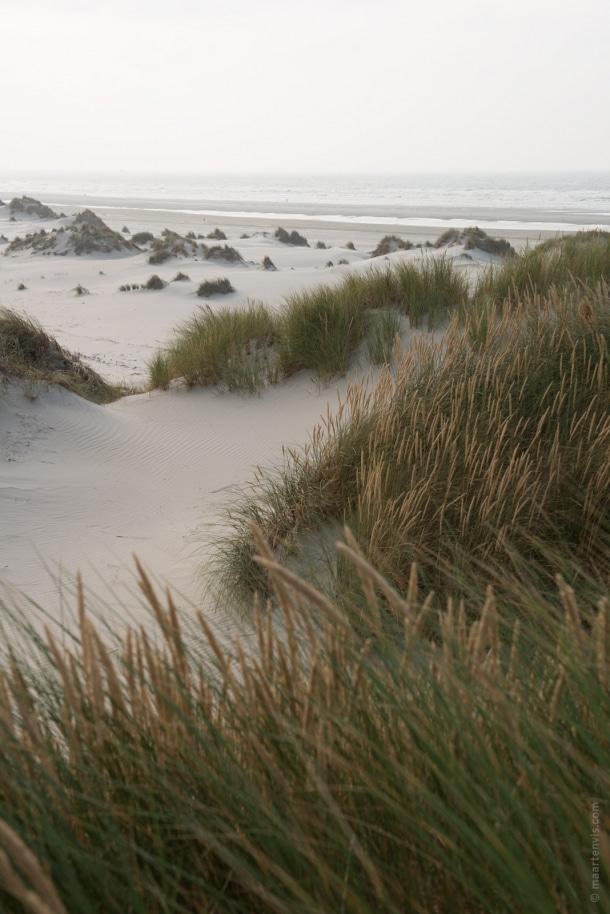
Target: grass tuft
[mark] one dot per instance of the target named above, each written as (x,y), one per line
(318,769)
(475,237)
(381,338)
(569,262)
(226,348)
(389,244)
(224,252)
(291,238)
(215,287)
(154,282)
(322,330)
(29,353)
(142,237)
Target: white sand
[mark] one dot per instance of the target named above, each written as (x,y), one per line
(84,486)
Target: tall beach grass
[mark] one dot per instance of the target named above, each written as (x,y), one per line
(428,729)
(219,347)
(29,353)
(319,330)
(561,263)
(472,453)
(320,770)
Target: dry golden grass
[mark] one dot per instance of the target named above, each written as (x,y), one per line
(318,330)
(313,770)
(376,746)
(470,455)
(29,353)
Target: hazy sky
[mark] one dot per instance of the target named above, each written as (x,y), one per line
(291,85)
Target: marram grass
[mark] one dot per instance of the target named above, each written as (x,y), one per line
(316,770)
(569,262)
(217,347)
(29,353)
(470,455)
(322,330)
(319,330)
(430,734)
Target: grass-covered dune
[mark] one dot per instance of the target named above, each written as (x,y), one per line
(29,353)
(85,234)
(557,263)
(323,770)
(478,454)
(429,731)
(319,330)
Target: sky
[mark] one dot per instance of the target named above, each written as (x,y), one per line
(296,86)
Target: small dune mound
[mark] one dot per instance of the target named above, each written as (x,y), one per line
(291,238)
(142,237)
(38,242)
(579,238)
(28,352)
(268,264)
(389,244)
(29,208)
(217,235)
(88,234)
(97,238)
(215,287)
(226,253)
(169,245)
(154,282)
(88,218)
(475,237)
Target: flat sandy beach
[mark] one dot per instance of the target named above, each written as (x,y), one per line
(84,487)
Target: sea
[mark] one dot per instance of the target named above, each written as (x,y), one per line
(553,201)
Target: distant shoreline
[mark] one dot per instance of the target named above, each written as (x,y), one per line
(528,204)
(510,221)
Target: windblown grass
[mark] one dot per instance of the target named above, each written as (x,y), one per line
(217,235)
(293,237)
(224,253)
(389,244)
(381,339)
(562,263)
(321,330)
(28,352)
(473,453)
(321,771)
(382,748)
(474,237)
(427,291)
(142,237)
(223,347)
(154,283)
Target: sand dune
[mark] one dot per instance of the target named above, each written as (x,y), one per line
(84,486)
